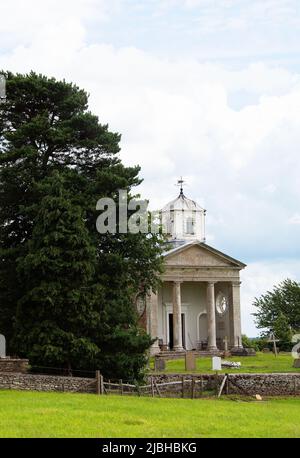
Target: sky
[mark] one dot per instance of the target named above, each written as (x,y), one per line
(206,89)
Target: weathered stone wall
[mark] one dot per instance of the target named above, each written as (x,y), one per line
(13,365)
(276,384)
(46,383)
(187,385)
(265,384)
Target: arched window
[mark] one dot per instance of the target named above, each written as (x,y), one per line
(189,226)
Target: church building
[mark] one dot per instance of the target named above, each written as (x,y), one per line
(197,306)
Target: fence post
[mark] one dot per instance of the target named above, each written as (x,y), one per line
(193,388)
(152,387)
(216,383)
(182,389)
(101,384)
(138,389)
(157,389)
(121,387)
(98,382)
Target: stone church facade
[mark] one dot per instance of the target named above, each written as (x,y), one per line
(197,306)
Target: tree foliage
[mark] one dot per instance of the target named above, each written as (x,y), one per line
(57,316)
(67,291)
(278,311)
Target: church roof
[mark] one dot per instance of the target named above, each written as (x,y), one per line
(182,203)
(204,246)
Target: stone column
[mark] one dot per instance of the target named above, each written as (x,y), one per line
(177,326)
(235,315)
(211,316)
(154,322)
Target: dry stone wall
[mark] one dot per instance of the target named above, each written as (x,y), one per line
(166,385)
(13,365)
(33,382)
(276,384)
(265,384)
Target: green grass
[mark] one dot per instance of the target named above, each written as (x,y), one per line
(262,362)
(33,414)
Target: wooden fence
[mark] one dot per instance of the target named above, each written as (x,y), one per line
(199,386)
(186,388)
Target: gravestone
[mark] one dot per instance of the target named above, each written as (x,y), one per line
(190,361)
(226,348)
(216,363)
(273,339)
(2,346)
(159,364)
(297,363)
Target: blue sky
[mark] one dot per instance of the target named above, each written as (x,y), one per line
(234,31)
(207,89)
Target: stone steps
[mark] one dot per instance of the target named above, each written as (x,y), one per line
(181,354)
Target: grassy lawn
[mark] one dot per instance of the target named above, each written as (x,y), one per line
(262,362)
(32,414)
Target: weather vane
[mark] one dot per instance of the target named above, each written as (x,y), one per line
(180,183)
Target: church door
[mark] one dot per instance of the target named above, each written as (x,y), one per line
(171,341)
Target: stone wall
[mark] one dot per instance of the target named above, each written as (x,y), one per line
(13,365)
(276,384)
(35,382)
(186,385)
(265,384)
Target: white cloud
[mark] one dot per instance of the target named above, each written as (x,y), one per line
(220,15)
(270,188)
(295,219)
(176,118)
(23,21)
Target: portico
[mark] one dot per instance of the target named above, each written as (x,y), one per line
(185,315)
(197,306)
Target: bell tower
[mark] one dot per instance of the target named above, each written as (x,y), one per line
(183,219)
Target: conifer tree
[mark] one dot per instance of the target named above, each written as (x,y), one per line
(57,317)
(47,133)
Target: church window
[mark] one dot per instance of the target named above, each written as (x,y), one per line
(190,226)
(221,304)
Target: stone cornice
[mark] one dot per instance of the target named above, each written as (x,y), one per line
(191,266)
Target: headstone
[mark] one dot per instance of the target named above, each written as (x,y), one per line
(273,339)
(190,361)
(159,364)
(243,352)
(297,363)
(2,346)
(216,363)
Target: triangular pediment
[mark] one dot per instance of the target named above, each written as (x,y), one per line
(199,255)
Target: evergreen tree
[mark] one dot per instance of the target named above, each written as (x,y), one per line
(45,130)
(57,317)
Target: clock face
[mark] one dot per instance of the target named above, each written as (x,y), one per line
(140,305)
(221,304)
